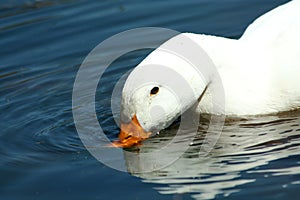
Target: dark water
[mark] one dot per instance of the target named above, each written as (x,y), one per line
(43,44)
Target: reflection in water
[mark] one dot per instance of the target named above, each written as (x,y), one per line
(244,147)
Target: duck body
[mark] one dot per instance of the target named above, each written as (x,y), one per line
(260,71)
(260,74)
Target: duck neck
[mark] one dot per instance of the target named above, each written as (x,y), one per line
(243,70)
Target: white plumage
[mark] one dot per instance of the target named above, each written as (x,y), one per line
(260,71)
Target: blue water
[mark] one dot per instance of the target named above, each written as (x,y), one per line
(43,43)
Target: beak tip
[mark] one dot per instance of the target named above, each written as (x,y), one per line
(131,134)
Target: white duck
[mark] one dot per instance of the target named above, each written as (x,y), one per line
(260,75)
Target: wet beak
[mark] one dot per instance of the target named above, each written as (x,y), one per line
(131,134)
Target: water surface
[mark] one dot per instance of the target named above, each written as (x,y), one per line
(43,44)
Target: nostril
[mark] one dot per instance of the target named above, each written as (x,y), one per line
(127,137)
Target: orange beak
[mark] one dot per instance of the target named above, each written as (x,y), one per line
(131,134)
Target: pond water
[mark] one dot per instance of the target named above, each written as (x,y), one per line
(43,44)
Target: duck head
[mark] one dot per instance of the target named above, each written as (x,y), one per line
(155,94)
(147,110)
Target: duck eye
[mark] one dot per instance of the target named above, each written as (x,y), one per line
(154,90)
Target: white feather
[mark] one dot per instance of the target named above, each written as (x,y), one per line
(260,71)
